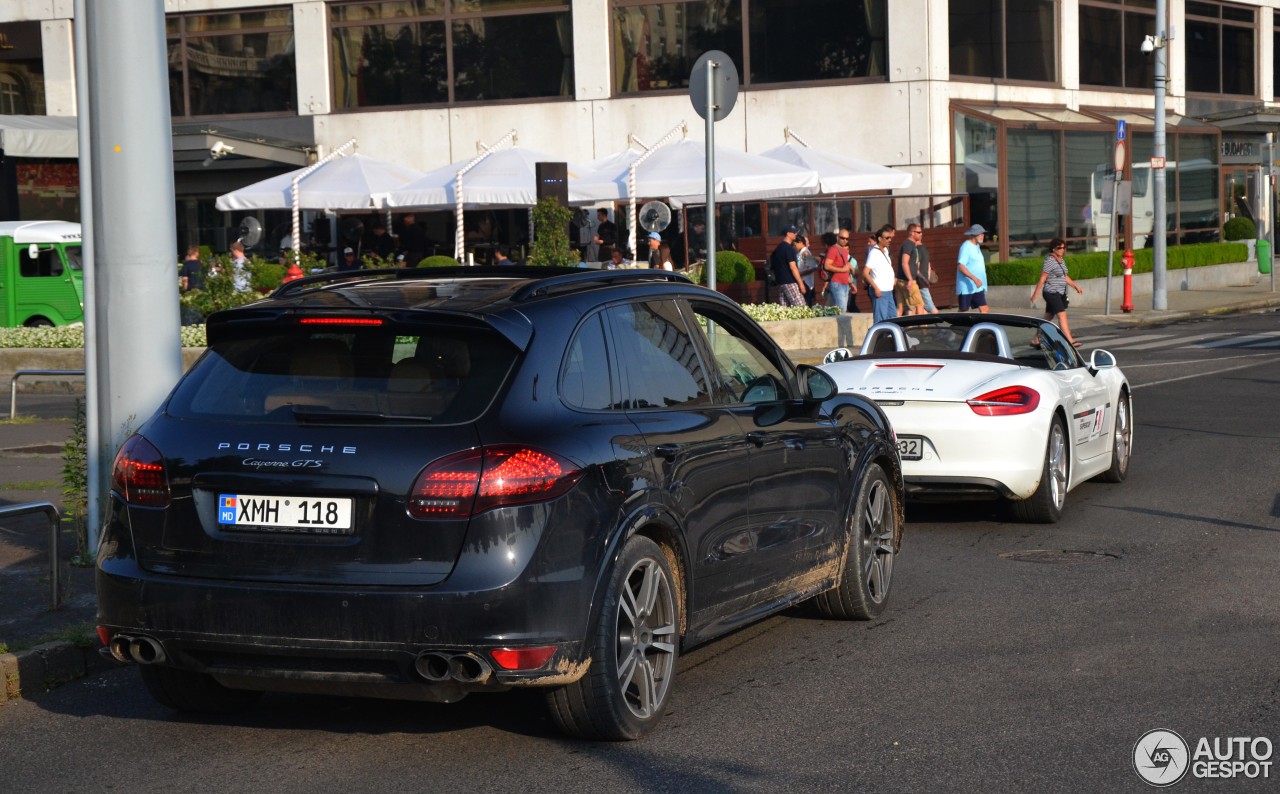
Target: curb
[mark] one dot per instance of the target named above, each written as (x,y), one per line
(48,666)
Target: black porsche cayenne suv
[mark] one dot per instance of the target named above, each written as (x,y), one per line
(421,484)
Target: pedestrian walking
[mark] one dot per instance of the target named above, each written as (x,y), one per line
(1053,283)
(782,262)
(839,270)
(971,271)
(879,275)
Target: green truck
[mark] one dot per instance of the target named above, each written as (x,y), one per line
(41,280)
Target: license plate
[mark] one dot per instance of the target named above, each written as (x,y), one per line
(322,516)
(911,447)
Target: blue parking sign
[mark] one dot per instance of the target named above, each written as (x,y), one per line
(1120,129)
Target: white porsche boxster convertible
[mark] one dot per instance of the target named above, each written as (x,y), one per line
(991,406)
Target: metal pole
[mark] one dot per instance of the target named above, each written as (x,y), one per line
(136,322)
(1111,239)
(710,117)
(1268,177)
(1159,298)
(95,456)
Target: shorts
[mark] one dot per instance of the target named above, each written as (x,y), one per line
(973,300)
(914,299)
(1055,302)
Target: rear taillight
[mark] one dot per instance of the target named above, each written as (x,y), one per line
(1006,402)
(138,474)
(474,481)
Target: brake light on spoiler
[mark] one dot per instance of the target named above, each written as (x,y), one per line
(1008,401)
(340,321)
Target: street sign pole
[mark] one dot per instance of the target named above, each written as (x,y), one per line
(713,89)
(1115,208)
(710,117)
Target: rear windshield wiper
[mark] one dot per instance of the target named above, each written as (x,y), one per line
(315,413)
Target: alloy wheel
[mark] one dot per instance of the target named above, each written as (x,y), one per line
(877,542)
(646,637)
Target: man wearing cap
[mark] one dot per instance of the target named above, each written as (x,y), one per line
(655,256)
(782,262)
(348,260)
(971,271)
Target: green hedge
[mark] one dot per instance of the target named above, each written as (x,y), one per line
(1020,272)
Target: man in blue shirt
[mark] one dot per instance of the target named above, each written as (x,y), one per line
(971,271)
(782,262)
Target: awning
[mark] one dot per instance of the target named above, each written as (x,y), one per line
(39,136)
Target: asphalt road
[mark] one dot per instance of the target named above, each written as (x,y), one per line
(1013,657)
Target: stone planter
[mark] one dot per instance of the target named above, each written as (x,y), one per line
(743,292)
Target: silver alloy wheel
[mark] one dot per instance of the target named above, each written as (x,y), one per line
(646,637)
(876,536)
(1123,435)
(1057,465)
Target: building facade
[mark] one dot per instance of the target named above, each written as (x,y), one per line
(1011,103)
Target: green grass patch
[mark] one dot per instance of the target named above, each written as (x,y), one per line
(81,635)
(28,485)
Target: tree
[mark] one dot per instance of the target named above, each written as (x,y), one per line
(551,234)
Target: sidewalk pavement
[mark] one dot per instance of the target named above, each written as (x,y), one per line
(48,647)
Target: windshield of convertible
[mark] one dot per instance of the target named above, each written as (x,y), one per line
(1041,346)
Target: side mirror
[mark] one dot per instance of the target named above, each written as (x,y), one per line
(815,384)
(1101,359)
(34,251)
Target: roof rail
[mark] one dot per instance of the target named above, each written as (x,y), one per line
(400,273)
(586,279)
(545,280)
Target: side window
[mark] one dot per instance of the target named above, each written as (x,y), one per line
(584,383)
(750,370)
(657,359)
(47,263)
(1057,350)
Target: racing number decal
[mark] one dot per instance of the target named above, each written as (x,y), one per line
(1099,423)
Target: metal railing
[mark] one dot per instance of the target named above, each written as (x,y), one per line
(55,520)
(13,383)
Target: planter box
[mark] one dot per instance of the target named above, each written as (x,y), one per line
(1234,274)
(748,292)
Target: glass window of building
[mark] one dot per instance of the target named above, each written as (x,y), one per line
(1004,39)
(1032,174)
(1220,48)
(1116,27)
(655,45)
(21,70)
(231,64)
(424,52)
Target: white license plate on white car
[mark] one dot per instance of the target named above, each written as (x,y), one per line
(322,516)
(911,447)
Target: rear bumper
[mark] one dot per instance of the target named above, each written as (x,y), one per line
(346,638)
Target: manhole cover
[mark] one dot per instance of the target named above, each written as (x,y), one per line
(1060,556)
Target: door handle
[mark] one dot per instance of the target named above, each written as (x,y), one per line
(757,438)
(666,451)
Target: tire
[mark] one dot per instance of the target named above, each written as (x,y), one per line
(634,651)
(183,690)
(1045,505)
(38,322)
(1121,441)
(865,582)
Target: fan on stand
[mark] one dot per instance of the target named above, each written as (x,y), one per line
(249,232)
(654,216)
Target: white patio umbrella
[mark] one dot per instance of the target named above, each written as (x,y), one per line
(503,179)
(354,182)
(838,173)
(677,171)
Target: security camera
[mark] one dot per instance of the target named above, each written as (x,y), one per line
(1149,44)
(220,150)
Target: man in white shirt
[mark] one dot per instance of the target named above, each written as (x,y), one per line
(879,276)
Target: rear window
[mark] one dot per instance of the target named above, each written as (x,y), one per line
(440,375)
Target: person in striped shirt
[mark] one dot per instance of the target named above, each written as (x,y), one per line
(1053,283)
